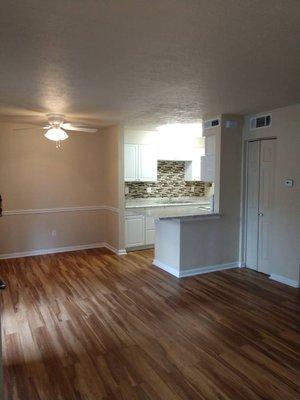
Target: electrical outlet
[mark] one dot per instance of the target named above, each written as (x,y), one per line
(53,232)
(192,189)
(149,189)
(126,189)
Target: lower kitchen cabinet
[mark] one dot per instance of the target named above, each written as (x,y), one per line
(149,230)
(134,230)
(149,236)
(149,223)
(139,231)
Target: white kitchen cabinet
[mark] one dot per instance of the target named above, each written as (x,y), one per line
(150,222)
(131,158)
(134,230)
(210,145)
(171,153)
(140,163)
(147,163)
(208,168)
(193,168)
(208,160)
(139,229)
(150,236)
(149,230)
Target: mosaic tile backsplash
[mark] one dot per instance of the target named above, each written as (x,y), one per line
(170,183)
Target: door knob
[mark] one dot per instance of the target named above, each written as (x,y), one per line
(2,285)
(260,214)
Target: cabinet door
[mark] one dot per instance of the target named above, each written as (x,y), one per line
(150,223)
(134,231)
(208,168)
(150,236)
(210,145)
(196,164)
(131,162)
(147,163)
(193,168)
(196,167)
(188,175)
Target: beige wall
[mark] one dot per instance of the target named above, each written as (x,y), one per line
(22,233)
(114,183)
(36,175)
(286,224)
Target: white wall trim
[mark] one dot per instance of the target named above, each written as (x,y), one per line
(194,271)
(284,280)
(205,270)
(171,270)
(119,252)
(59,210)
(64,249)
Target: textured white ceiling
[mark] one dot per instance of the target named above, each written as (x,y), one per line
(147,61)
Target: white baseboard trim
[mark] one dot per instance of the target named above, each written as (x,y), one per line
(144,247)
(119,252)
(171,270)
(284,280)
(194,271)
(64,249)
(205,270)
(241,264)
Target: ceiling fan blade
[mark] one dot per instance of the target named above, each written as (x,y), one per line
(70,127)
(47,127)
(26,129)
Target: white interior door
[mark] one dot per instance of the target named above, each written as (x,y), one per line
(266,200)
(253,151)
(260,193)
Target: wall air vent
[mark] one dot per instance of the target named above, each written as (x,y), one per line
(262,121)
(211,123)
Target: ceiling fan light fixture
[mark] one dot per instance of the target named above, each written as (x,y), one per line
(56,134)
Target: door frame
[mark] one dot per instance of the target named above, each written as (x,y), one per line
(243,234)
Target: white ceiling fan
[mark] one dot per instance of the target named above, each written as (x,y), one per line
(57,127)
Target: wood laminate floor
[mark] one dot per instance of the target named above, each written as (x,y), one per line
(92,325)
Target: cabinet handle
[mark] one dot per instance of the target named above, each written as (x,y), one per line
(260,214)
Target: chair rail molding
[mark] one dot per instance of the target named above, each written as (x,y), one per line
(59,210)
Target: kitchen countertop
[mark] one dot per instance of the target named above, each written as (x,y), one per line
(166,202)
(183,208)
(177,211)
(180,213)
(190,217)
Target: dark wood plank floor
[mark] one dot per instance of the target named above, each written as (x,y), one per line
(91,325)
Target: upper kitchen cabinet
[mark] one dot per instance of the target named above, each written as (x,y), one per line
(131,158)
(193,168)
(175,153)
(208,160)
(140,163)
(147,163)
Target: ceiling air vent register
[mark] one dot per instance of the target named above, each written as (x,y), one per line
(262,121)
(211,123)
